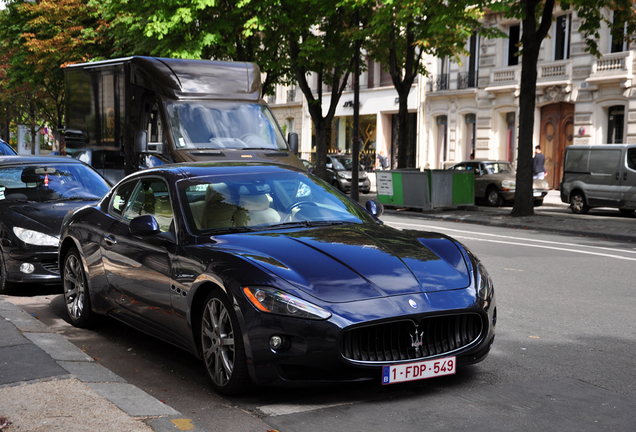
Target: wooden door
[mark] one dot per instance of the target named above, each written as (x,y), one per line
(557,130)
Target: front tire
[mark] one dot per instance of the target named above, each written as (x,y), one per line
(5,287)
(493,198)
(577,203)
(222,346)
(76,296)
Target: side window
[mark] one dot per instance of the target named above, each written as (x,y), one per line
(151,197)
(605,161)
(631,158)
(121,198)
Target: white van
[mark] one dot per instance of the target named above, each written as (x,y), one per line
(599,176)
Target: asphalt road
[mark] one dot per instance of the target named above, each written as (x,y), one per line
(563,358)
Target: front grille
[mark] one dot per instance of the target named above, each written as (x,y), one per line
(51,266)
(399,341)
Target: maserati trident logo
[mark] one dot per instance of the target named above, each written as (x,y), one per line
(416,341)
(412,303)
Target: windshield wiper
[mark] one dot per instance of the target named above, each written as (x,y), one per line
(304,224)
(239,229)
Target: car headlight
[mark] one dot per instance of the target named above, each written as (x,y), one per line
(344,174)
(35,237)
(484,282)
(508,184)
(274,301)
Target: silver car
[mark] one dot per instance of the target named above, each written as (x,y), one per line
(339,173)
(495,181)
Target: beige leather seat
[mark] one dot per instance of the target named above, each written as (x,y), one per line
(257,211)
(217,210)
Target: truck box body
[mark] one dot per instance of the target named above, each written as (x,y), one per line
(127,114)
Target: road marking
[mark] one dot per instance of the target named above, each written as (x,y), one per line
(544,243)
(286,409)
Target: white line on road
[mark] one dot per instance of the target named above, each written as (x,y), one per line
(544,243)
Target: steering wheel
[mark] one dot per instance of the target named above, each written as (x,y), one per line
(298,204)
(70,192)
(253,140)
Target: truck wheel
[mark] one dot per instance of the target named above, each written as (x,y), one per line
(493,198)
(577,203)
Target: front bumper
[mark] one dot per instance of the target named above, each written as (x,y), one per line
(363,185)
(313,353)
(45,265)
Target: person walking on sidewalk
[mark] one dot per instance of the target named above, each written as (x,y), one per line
(538,164)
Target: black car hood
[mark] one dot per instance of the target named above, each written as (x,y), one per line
(355,262)
(44,217)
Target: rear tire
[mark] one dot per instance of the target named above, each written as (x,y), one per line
(76,296)
(222,346)
(626,211)
(577,203)
(538,202)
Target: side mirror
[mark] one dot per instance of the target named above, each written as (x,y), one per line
(375,208)
(292,138)
(144,225)
(141,141)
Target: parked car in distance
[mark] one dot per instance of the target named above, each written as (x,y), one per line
(271,275)
(495,181)
(35,195)
(339,173)
(6,149)
(309,166)
(599,176)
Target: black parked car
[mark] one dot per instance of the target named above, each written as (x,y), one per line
(6,149)
(35,195)
(271,275)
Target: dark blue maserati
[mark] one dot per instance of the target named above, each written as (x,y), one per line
(272,276)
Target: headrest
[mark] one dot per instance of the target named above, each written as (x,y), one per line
(254,202)
(218,192)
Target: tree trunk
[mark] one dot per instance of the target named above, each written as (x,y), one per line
(403,130)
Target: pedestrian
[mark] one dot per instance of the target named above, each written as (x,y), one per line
(538,164)
(383,161)
(472,156)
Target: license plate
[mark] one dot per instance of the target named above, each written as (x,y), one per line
(537,193)
(361,184)
(417,371)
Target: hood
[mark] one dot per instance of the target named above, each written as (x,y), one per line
(43,217)
(356,262)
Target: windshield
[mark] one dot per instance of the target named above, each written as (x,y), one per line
(342,163)
(264,201)
(50,182)
(223,125)
(497,167)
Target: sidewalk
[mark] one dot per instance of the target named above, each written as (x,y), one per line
(48,384)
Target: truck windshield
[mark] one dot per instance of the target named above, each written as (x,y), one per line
(223,125)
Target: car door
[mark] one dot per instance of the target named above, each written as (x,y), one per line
(139,268)
(628,178)
(605,177)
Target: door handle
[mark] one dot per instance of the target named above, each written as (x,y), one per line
(625,176)
(618,175)
(110,240)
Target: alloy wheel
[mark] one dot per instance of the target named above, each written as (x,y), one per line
(74,287)
(217,335)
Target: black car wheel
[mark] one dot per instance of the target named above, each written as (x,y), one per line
(5,287)
(626,211)
(78,304)
(336,184)
(577,203)
(222,346)
(493,198)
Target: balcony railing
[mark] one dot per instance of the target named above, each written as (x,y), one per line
(291,95)
(616,66)
(440,82)
(467,79)
(271,99)
(555,71)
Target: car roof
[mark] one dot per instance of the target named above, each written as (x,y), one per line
(30,160)
(201,169)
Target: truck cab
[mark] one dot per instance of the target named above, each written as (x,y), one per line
(127,114)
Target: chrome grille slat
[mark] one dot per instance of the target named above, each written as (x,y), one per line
(390,342)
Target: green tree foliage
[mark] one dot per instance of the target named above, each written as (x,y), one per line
(536,17)
(38,40)
(400,32)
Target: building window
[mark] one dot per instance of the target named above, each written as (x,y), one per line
(469,79)
(562,37)
(618,43)
(615,123)
(442,140)
(370,72)
(514,32)
(471,124)
(510,136)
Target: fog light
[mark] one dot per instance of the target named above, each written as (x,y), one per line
(27,268)
(275,342)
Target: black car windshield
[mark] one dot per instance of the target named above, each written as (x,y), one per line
(342,163)
(264,201)
(50,182)
(223,125)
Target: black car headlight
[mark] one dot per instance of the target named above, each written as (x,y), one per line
(271,300)
(484,281)
(35,237)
